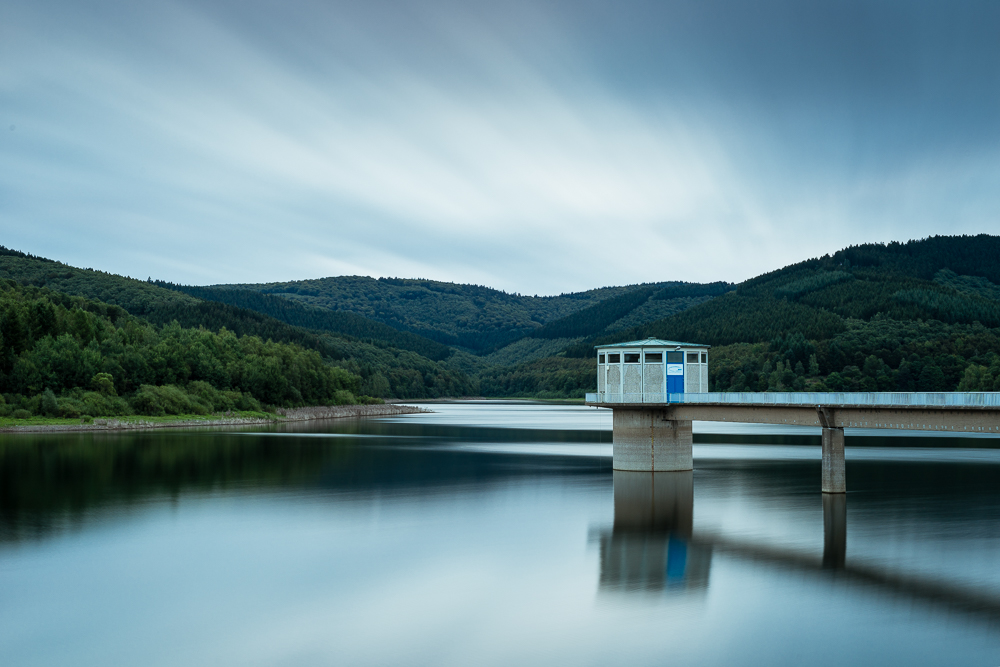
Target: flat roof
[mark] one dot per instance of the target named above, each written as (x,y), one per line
(652,342)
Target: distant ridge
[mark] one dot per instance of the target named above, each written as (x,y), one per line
(322,319)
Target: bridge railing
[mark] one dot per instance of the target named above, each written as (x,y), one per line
(879,399)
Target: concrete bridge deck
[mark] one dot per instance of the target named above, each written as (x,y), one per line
(652,432)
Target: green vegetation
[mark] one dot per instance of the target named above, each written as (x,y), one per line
(505,333)
(920,316)
(321,319)
(473,317)
(594,319)
(28,420)
(923,315)
(341,339)
(69,356)
(402,374)
(554,377)
(896,317)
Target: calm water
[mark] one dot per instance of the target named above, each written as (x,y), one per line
(492,534)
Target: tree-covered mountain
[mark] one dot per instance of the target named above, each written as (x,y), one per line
(353,342)
(473,317)
(595,319)
(923,315)
(320,319)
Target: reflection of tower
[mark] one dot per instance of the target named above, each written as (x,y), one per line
(649,547)
(834,530)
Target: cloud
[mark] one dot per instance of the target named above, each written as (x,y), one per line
(536,148)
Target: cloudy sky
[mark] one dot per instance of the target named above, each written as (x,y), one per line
(537,147)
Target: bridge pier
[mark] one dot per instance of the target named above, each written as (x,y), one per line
(834,480)
(649,440)
(646,440)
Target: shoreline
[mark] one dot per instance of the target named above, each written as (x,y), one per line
(313,413)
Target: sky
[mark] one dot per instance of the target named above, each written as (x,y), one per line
(535,147)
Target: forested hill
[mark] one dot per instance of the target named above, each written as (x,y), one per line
(68,356)
(244,312)
(923,315)
(468,316)
(949,279)
(322,319)
(390,364)
(137,297)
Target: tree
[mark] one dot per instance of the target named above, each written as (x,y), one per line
(103,383)
(813,366)
(49,406)
(932,378)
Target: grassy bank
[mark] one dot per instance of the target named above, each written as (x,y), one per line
(229,418)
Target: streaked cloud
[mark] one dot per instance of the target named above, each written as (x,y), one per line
(536,147)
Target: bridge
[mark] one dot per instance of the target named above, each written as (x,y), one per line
(652,430)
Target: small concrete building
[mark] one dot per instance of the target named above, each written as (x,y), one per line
(647,371)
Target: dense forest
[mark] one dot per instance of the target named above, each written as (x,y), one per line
(898,317)
(923,315)
(322,319)
(389,362)
(69,356)
(475,318)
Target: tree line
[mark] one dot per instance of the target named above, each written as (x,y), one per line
(69,355)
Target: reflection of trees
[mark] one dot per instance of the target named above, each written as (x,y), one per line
(44,477)
(47,479)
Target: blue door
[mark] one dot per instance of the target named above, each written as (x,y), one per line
(675,372)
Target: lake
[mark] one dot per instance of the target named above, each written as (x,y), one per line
(493,534)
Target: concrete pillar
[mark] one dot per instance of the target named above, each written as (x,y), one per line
(645,440)
(834,530)
(833,461)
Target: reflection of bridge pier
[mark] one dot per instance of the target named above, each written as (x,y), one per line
(834,530)
(653,547)
(649,547)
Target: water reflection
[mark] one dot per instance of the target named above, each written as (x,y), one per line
(654,546)
(421,541)
(51,482)
(650,547)
(834,530)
